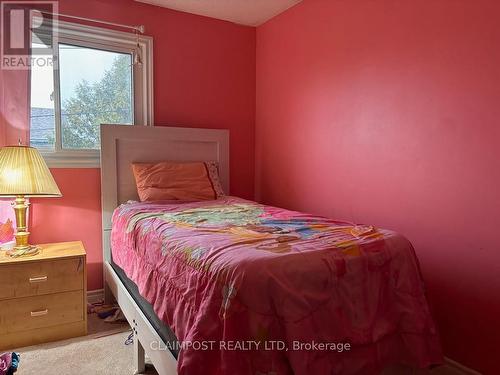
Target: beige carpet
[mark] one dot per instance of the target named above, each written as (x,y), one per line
(101,352)
(106,355)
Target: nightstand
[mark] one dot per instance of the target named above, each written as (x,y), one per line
(43,297)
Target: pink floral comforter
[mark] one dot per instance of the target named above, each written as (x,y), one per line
(254,289)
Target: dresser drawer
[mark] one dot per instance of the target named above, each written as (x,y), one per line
(23,314)
(37,278)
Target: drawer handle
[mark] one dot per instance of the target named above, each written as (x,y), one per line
(39,313)
(39,279)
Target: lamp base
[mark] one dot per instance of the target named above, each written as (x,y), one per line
(22,248)
(23,251)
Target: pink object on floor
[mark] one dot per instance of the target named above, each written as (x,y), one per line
(232,270)
(5,362)
(9,363)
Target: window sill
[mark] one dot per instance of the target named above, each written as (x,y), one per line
(76,159)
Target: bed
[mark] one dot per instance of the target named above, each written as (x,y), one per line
(264,290)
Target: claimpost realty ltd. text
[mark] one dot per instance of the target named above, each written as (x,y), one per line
(249,345)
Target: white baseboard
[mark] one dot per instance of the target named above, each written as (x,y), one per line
(94,296)
(458,368)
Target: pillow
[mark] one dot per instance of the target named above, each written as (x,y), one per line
(181,181)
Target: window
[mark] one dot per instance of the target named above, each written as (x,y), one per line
(95,88)
(95,81)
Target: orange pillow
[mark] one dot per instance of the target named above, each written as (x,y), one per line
(182,181)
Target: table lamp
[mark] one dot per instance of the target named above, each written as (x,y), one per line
(23,173)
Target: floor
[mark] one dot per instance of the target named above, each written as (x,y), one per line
(103,351)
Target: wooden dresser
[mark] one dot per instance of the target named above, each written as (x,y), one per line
(43,297)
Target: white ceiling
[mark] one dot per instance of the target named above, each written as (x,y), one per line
(245,12)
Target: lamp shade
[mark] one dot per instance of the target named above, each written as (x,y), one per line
(24,172)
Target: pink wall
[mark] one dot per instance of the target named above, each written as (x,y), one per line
(387,112)
(75,216)
(204,76)
(2,120)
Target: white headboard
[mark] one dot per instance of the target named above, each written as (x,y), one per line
(122,145)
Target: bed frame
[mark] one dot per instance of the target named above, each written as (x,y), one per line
(122,145)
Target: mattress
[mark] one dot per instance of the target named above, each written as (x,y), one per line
(163,330)
(262,286)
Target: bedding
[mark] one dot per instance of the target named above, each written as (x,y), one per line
(254,289)
(177,180)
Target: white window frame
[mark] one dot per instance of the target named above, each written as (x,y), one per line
(111,40)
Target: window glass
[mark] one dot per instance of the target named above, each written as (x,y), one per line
(96,88)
